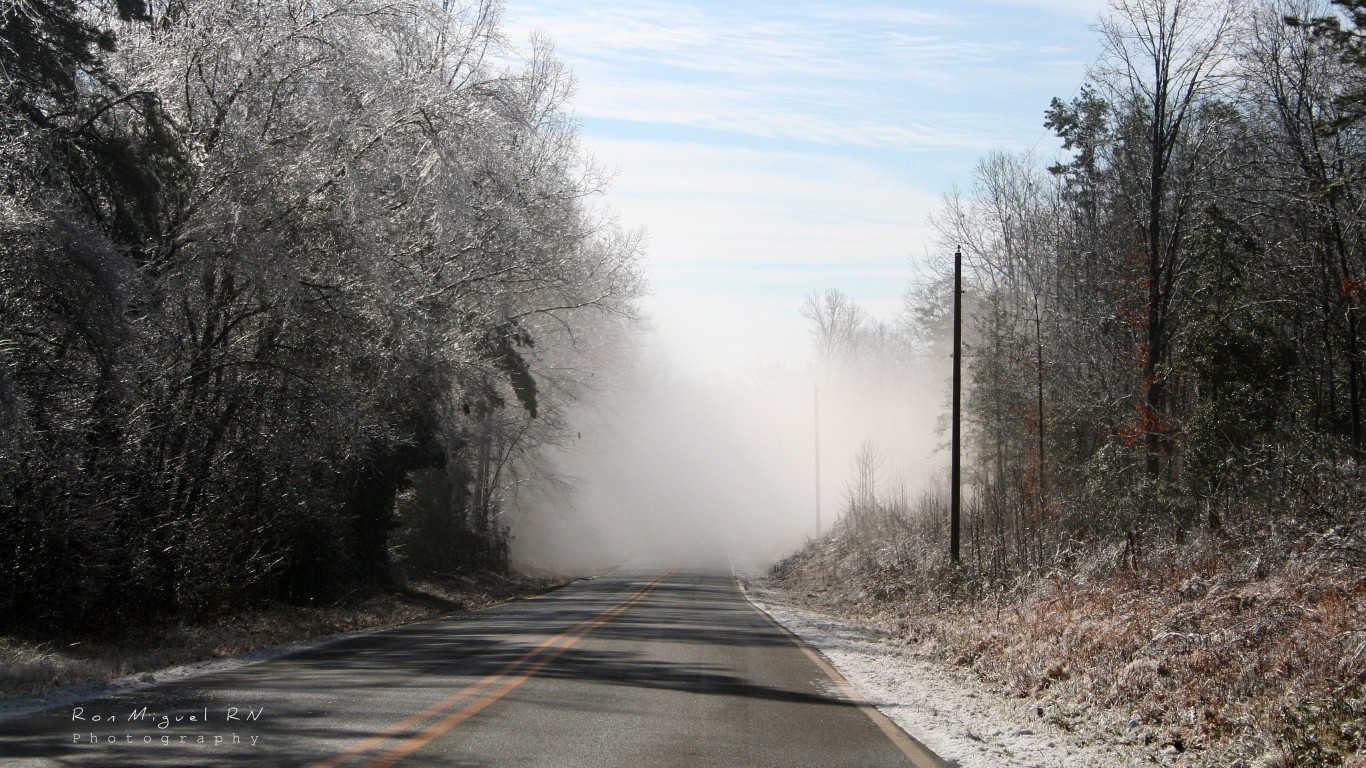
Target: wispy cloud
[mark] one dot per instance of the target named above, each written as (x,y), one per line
(862,74)
(773,224)
(775,147)
(821,118)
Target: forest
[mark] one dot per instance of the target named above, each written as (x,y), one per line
(1165,396)
(292,295)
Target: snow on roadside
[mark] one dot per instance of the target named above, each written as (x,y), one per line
(14,707)
(956,718)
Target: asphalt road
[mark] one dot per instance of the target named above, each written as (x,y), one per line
(643,667)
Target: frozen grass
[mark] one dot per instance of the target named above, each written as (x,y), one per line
(958,717)
(1209,653)
(29,666)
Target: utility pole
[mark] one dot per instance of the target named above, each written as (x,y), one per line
(955,471)
(816,410)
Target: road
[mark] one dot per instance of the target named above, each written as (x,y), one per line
(641,667)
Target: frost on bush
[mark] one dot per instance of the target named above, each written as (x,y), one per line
(1220,649)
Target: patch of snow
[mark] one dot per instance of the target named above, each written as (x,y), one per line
(961,721)
(21,706)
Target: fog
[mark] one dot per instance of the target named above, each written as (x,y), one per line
(668,467)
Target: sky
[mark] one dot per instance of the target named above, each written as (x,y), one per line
(770,149)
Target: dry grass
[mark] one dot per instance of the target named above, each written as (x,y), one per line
(1208,653)
(29,665)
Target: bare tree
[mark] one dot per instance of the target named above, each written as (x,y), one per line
(1164,61)
(836,322)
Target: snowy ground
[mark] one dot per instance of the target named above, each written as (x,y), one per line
(15,707)
(959,720)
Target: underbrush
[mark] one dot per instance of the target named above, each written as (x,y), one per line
(1236,648)
(30,664)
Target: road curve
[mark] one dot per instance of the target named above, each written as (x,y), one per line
(657,667)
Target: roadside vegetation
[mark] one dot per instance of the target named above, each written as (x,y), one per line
(1165,366)
(1245,648)
(30,666)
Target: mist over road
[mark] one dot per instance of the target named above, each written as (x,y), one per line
(651,666)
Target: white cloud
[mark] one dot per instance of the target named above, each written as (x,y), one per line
(1081,10)
(740,236)
(862,73)
(883,15)
(772,149)
(728,195)
(817,116)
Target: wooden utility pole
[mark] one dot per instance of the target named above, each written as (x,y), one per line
(955,470)
(816,410)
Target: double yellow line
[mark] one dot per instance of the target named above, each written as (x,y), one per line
(456,709)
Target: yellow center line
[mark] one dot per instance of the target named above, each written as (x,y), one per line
(420,740)
(548,650)
(431,711)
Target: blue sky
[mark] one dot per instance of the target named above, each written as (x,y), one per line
(775,148)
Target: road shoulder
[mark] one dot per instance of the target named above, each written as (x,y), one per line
(954,716)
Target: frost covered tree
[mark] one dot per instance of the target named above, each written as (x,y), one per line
(364,252)
(1162,71)
(1168,326)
